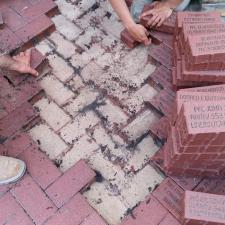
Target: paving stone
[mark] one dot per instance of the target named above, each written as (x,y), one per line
(77,128)
(135,102)
(60,68)
(66,215)
(52,113)
(56,90)
(112,25)
(150,212)
(85,4)
(11,212)
(86,97)
(138,188)
(76,84)
(92,19)
(45,47)
(48,140)
(63,47)
(20,117)
(114,153)
(138,127)
(82,149)
(39,8)
(18,144)
(146,149)
(70,183)
(110,172)
(68,10)
(42,170)
(79,60)
(24,194)
(114,117)
(66,28)
(35,28)
(103,201)
(94,219)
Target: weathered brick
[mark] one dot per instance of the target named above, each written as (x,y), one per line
(94,219)
(66,28)
(77,128)
(70,183)
(56,90)
(47,109)
(60,68)
(48,140)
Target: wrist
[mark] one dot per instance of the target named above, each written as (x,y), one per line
(129,24)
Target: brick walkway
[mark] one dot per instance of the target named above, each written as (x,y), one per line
(93,108)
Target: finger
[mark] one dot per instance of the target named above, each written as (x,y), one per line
(162,19)
(28,55)
(21,54)
(147,42)
(147,13)
(32,71)
(150,22)
(156,21)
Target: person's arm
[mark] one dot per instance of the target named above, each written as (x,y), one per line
(19,63)
(136,30)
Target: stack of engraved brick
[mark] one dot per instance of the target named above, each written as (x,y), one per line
(196,144)
(199,49)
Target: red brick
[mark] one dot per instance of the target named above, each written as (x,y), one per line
(161,128)
(94,219)
(162,77)
(3,190)
(39,26)
(170,195)
(42,170)
(12,213)
(75,179)
(20,95)
(72,213)
(128,39)
(18,144)
(159,37)
(213,88)
(212,186)
(41,7)
(13,20)
(33,200)
(169,220)
(204,207)
(20,5)
(9,41)
(211,51)
(16,120)
(187,183)
(162,54)
(150,212)
(163,103)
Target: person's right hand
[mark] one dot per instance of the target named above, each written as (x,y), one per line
(139,33)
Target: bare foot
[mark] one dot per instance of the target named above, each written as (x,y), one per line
(22,63)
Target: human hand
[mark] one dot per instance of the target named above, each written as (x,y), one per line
(159,14)
(22,63)
(139,33)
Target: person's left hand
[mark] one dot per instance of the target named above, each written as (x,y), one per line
(22,63)
(159,14)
